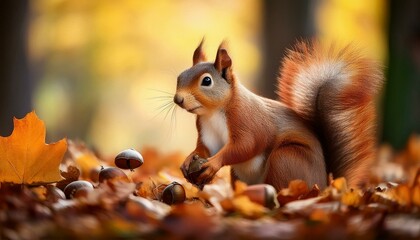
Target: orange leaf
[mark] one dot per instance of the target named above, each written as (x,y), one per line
(248,208)
(340,184)
(351,198)
(24,156)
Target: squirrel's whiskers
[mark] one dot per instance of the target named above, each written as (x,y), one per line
(167,106)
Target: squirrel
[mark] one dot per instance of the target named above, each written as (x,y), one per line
(323,121)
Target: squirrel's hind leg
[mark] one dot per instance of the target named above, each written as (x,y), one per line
(294,161)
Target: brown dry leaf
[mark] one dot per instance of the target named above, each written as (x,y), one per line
(299,206)
(218,193)
(70,175)
(384,198)
(144,209)
(84,158)
(146,189)
(167,176)
(109,193)
(314,192)
(24,156)
(190,221)
(221,195)
(152,187)
(154,162)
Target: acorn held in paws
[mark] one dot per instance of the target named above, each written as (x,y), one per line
(195,168)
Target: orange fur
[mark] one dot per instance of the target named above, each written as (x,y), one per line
(349,141)
(323,122)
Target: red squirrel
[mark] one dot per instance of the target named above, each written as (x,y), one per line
(323,121)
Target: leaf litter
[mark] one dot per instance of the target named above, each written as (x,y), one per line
(386,208)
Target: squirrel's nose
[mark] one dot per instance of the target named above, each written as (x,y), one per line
(178,99)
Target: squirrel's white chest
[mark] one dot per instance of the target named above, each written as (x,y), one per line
(214,132)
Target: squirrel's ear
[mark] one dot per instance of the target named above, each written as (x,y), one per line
(199,55)
(223,60)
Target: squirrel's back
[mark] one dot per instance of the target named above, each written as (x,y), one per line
(334,89)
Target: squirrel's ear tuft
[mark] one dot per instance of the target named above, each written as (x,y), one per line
(199,55)
(223,60)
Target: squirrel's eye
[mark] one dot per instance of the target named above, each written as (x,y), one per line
(206,81)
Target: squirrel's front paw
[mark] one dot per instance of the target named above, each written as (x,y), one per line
(207,172)
(192,167)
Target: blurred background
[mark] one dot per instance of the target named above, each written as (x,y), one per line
(105,71)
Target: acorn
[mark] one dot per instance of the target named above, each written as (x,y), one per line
(174,193)
(195,167)
(129,159)
(112,173)
(94,174)
(81,192)
(76,186)
(263,194)
(54,193)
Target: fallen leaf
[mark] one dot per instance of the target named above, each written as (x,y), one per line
(297,189)
(143,208)
(300,205)
(24,156)
(216,193)
(416,195)
(403,225)
(340,184)
(351,198)
(247,208)
(190,221)
(319,215)
(84,158)
(40,192)
(71,174)
(415,198)
(413,149)
(402,194)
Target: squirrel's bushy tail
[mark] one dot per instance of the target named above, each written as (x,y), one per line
(334,89)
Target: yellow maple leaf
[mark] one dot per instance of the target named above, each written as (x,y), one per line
(24,156)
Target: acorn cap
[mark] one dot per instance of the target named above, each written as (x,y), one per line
(129,159)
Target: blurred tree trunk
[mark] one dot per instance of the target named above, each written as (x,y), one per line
(401,114)
(15,87)
(284,22)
